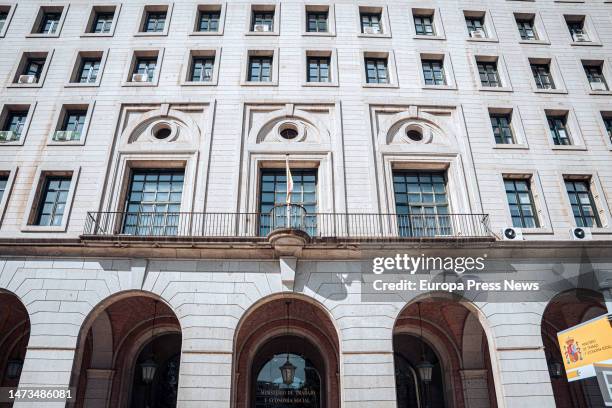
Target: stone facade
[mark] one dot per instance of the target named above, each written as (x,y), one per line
(354,133)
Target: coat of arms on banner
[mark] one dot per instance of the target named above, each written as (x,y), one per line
(572,351)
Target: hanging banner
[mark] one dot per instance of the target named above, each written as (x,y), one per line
(584,345)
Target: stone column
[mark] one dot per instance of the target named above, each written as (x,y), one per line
(518,361)
(46,368)
(98,387)
(475,388)
(205,379)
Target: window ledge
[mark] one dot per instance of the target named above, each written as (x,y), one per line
(515,146)
(429,37)
(39,228)
(198,83)
(205,33)
(535,42)
(96,35)
(569,147)
(367,85)
(262,34)
(14,85)
(489,40)
(586,44)
(80,85)
(18,142)
(609,92)
(79,142)
(440,87)
(381,35)
(139,84)
(320,34)
(495,89)
(550,91)
(537,231)
(320,84)
(256,83)
(56,35)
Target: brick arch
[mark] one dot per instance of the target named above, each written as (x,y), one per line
(444,320)
(564,310)
(104,362)
(268,320)
(14,334)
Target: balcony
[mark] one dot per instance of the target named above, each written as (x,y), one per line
(288,219)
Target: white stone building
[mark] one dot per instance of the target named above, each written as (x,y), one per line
(144,220)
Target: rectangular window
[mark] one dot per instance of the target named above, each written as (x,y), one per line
(558,129)
(542,76)
(71,125)
(13,125)
(521,203)
(316,21)
(273,197)
(575,25)
(155,22)
(502,129)
(475,26)
(433,72)
(424,25)
(145,66)
(318,69)
(153,202)
(208,21)
(89,70)
(489,75)
(3,17)
(376,71)
(582,202)
(260,69)
(53,200)
(34,67)
(49,22)
(371,23)
(421,203)
(3,184)
(608,124)
(262,21)
(103,22)
(526,27)
(202,69)
(596,78)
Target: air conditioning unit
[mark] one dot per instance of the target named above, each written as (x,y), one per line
(581,233)
(140,78)
(581,37)
(66,135)
(27,79)
(478,33)
(8,136)
(371,30)
(512,234)
(260,28)
(599,86)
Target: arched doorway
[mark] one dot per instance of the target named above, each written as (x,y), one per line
(14,336)
(128,354)
(565,310)
(441,356)
(286,355)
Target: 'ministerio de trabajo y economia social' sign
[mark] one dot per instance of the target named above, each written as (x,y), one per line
(584,345)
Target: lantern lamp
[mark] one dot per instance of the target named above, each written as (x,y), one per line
(288,372)
(149,367)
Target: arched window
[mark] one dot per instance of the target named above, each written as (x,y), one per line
(302,383)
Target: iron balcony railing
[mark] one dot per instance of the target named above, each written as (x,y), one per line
(260,225)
